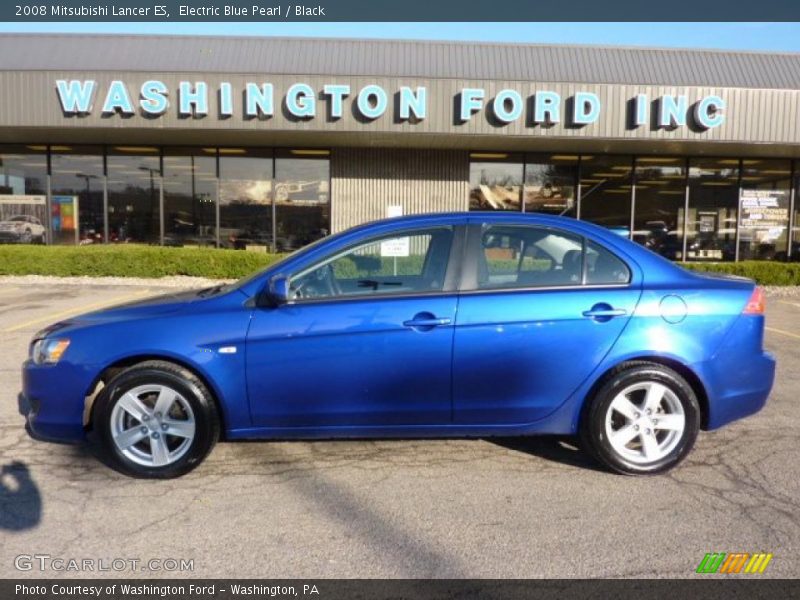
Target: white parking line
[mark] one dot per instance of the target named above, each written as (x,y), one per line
(795,304)
(782,332)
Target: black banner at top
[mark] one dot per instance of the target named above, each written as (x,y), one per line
(395,10)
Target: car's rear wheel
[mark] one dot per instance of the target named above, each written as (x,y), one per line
(157,420)
(643,419)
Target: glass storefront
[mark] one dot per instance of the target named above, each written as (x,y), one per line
(245,198)
(682,208)
(302,198)
(551,184)
(495,181)
(190,196)
(660,205)
(76,185)
(606,184)
(23,195)
(713,209)
(134,194)
(267,199)
(764,219)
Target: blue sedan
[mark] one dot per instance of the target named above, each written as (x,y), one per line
(448,325)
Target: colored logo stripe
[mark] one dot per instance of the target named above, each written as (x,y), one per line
(734,562)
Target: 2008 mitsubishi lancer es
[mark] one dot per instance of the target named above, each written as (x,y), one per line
(448,325)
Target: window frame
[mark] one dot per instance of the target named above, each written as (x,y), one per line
(452,275)
(468,282)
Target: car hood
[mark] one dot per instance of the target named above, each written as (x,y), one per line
(156,306)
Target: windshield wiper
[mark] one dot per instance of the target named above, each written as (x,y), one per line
(212,290)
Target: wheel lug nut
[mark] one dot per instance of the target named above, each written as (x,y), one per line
(146,418)
(158,415)
(636,428)
(164,426)
(155,435)
(647,431)
(655,421)
(144,430)
(649,411)
(638,415)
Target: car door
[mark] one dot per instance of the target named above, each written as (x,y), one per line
(366,339)
(539,309)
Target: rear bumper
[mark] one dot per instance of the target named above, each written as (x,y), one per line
(52,402)
(736,389)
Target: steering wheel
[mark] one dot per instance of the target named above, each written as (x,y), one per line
(318,284)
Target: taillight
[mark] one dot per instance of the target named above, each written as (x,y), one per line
(757,303)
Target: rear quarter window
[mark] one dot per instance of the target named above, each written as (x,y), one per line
(603,267)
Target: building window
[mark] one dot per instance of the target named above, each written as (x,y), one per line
(660,205)
(245,198)
(495,181)
(764,209)
(713,201)
(134,194)
(606,185)
(77,185)
(190,196)
(302,198)
(551,184)
(23,194)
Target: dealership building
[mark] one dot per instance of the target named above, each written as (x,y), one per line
(261,143)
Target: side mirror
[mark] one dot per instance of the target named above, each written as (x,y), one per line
(278,292)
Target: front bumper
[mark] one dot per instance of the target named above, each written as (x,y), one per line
(52,400)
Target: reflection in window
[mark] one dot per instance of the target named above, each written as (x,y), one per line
(519,256)
(495,182)
(415,262)
(550,184)
(23,194)
(713,198)
(606,191)
(302,198)
(796,222)
(76,183)
(603,268)
(245,190)
(764,209)
(190,195)
(134,188)
(660,205)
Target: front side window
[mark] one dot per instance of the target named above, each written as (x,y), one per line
(524,257)
(410,262)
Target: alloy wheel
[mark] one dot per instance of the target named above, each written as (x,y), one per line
(152,425)
(645,422)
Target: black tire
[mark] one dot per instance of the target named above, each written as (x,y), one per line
(593,420)
(196,394)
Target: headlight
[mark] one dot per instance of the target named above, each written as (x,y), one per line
(48,351)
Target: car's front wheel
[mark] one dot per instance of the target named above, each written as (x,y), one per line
(643,419)
(156,420)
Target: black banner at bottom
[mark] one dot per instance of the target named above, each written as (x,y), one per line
(715,587)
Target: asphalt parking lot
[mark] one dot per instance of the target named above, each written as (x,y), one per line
(497,509)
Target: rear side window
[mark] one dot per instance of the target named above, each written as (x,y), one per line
(528,257)
(604,268)
(515,256)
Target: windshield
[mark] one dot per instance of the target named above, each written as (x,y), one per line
(18,218)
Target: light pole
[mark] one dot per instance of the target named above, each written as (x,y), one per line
(87,178)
